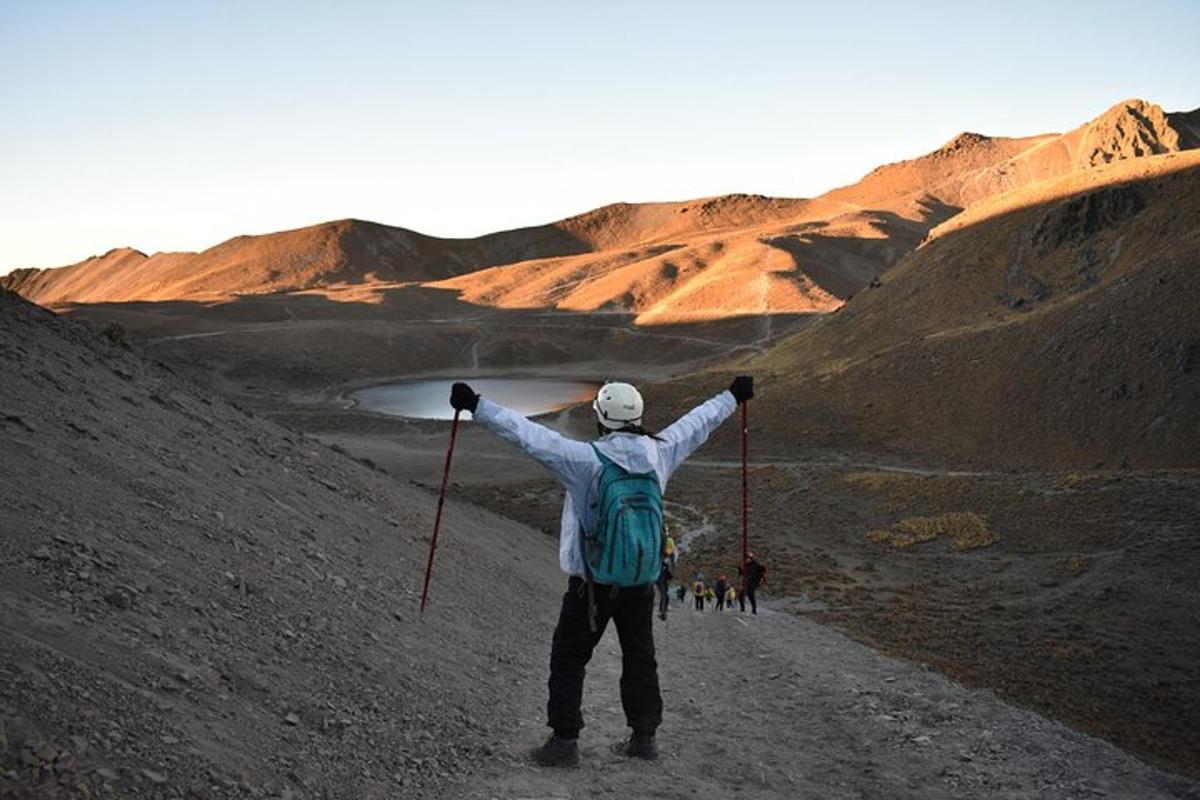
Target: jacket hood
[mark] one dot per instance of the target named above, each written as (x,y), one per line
(633,452)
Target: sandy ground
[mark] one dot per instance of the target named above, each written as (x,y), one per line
(776,706)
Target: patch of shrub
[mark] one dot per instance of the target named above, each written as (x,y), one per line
(965,529)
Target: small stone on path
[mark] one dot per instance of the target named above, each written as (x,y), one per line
(154,777)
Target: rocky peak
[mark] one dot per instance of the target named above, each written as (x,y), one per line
(1130,129)
(963,141)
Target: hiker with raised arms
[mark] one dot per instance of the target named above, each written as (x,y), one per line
(610,546)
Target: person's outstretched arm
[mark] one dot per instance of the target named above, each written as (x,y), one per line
(570,460)
(682,437)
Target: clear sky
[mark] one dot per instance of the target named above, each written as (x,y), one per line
(175,125)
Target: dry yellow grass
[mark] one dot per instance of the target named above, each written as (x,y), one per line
(965,529)
(898,492)
(875,481)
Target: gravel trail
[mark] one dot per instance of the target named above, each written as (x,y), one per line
(777,706)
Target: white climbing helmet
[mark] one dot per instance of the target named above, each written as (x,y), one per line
(617,405)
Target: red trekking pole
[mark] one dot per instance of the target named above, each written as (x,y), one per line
(437,520)
(745,502)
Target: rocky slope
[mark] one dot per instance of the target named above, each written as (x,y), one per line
(196,601)
(972,167)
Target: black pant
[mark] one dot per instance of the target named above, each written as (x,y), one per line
(632,609)
(749,592)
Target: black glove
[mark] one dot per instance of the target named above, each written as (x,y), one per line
(742,388)
(462,398)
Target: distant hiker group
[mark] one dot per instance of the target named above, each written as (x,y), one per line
(611,545)
(722,594)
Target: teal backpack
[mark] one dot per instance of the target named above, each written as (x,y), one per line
(625,549)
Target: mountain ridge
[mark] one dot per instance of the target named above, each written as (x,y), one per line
(662,262)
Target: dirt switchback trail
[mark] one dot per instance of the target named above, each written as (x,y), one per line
(778,706)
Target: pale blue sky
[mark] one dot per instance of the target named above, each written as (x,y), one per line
(173,125)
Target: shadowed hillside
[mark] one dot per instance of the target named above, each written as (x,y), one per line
(1055,327)
(194,600)
(197,603)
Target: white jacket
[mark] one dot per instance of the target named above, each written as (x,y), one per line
(576,464)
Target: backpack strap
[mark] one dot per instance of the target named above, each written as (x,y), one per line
(591,585)
(587,577)
(587,573)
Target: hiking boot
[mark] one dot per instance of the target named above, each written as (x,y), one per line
(556,752)
(639,745)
